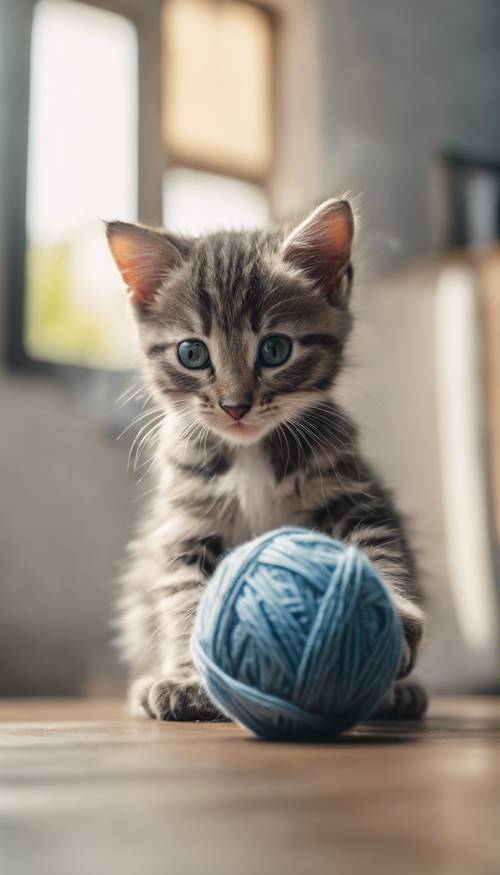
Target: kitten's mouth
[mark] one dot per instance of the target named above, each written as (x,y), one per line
(239,431)
(241,427)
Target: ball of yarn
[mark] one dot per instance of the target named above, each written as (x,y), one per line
(296,635)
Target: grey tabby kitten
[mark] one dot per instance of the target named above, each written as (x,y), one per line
(243,336)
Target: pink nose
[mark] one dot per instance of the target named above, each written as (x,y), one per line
(237,412)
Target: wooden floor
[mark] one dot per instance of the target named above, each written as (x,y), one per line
(84,790)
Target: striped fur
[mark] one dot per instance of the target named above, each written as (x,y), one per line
(294,459)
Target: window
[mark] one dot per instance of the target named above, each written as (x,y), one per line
(196,201)
(194,124)
(217,113)
(217,90)
(82,168)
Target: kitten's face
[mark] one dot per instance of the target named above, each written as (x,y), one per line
(241,332)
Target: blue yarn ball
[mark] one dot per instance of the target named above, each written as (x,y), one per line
(296,635)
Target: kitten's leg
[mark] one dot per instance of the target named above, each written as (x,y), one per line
(166,685)
(412,622)
(406,700)
(385,545)
(163,699)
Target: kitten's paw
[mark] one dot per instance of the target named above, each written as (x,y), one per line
(407,662)
(404,701)
(163,699)
(412,623)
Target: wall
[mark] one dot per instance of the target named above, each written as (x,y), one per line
(395,389)
(401,81)
(66,507)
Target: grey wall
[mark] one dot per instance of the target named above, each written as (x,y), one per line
(66,503)
(400,81)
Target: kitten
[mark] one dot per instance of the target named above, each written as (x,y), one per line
(243,336)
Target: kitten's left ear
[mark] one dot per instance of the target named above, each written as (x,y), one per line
(321,247)
(144,257)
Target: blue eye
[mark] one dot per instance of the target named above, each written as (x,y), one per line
(274,350)
(193,354)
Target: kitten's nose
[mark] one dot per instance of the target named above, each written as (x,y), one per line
(236,411)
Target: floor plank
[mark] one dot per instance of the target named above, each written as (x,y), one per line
(86,789)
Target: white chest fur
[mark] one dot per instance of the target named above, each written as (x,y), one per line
(262,503)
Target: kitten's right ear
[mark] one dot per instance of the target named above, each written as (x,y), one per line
(321,247)
(144,258)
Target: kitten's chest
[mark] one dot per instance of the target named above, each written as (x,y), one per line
(260,502)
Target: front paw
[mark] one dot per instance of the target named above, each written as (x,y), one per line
(407,661)
(404,701)
(412,638)
(164,699)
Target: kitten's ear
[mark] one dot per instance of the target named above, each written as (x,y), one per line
(144,257)
(321,247)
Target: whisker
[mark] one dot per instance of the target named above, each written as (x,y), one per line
(140,432)
(138,419)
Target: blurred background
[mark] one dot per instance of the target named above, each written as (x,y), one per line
(200,113)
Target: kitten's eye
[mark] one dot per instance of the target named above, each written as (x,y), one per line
(193,354)
(274,350)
